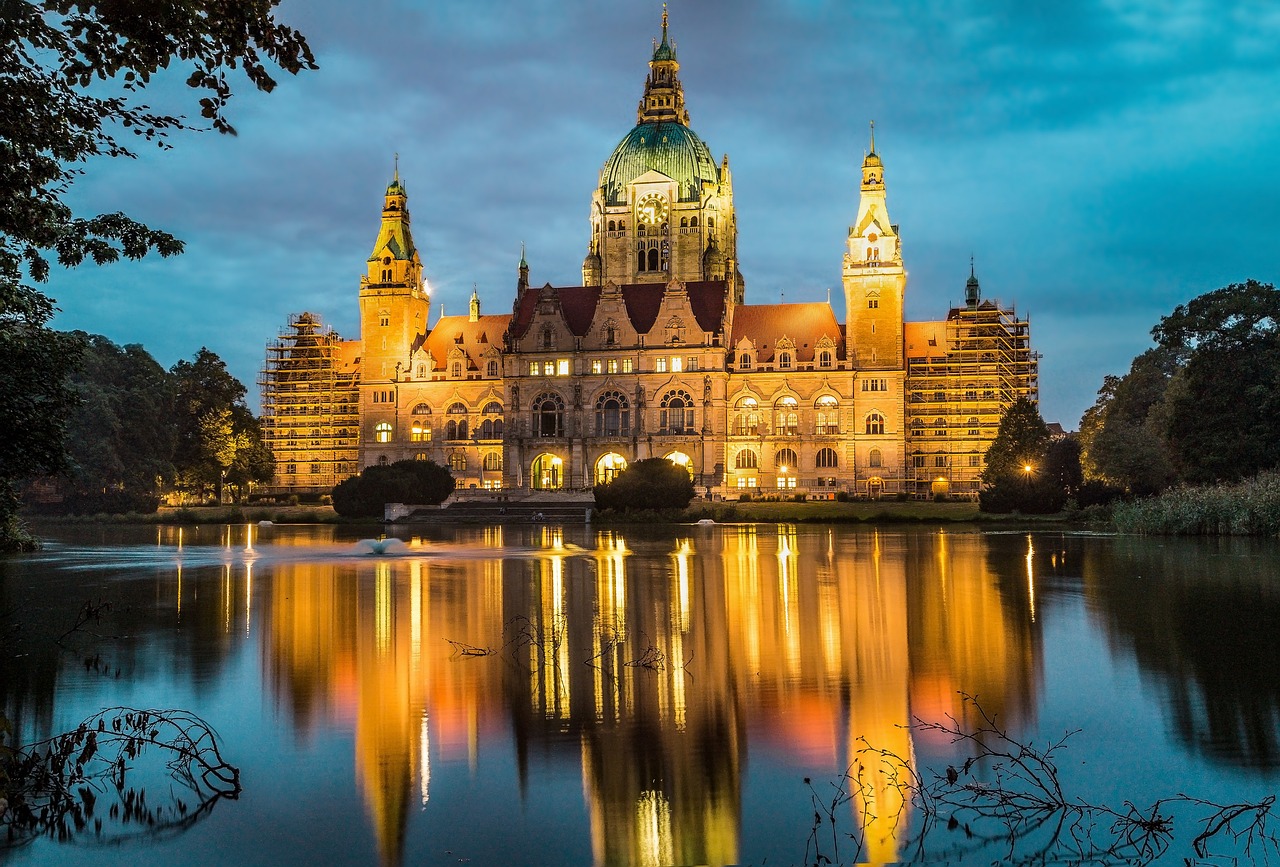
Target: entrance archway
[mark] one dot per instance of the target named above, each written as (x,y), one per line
(547,473)
(875,485)
(680,459)
(608,467)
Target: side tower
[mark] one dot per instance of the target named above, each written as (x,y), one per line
(393,322)
(663,208)
(874,279)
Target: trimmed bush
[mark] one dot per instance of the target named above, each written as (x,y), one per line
(653,483)
(420,483)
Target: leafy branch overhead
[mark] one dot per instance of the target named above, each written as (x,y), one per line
(68,81)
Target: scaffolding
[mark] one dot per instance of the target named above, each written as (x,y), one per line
(310,407)
(958,391)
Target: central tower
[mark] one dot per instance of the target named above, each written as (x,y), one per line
(663,208)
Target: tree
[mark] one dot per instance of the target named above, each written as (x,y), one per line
(120,438)
(653,483)
(419,483)
(69,72)
(1020,441)
(1016,477)
(213,429)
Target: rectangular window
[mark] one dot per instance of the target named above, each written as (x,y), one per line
(691,363)
(940,461)
(597,366)
(873,303)
(549,368)
(660,365)
(613,365)
(533,368)
(626,365)
(786,481)
(677,364)
(917,460)
(562,367)
(975,460)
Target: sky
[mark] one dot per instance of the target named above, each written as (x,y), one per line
(1102,162)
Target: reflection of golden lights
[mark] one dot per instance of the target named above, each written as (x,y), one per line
(653,829)
(382,607)
(1031,577)
(248,595)
(424,759)
(226,598)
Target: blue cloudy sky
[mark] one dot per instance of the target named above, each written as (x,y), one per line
(1103,161)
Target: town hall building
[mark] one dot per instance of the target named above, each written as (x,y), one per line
(656,354)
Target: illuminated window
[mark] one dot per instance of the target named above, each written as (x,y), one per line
(626,365)
(828,416)
(419,432)
(458,462)
(457,370)
(784,360)
(533,368)
(875,423)
(493,462)
(676,413)
(746,419)
(562,367)
(747,459)
(608,467)
(382,432)
(597,366)
(786,419)
(677,364)
(660,365)
(613,365)
(785,459)
(613,414)
(680,459)
(548,368)
(824,358)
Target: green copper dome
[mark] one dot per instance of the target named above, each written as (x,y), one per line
(670,148)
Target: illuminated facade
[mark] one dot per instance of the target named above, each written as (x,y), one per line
(657,354)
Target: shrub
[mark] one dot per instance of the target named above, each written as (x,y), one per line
(653,483)
(420,483)
(1036,495)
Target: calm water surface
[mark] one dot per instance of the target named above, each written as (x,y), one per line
(653,696)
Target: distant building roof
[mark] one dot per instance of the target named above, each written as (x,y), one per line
(803,324)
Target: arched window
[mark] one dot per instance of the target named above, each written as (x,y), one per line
(684,222)
(420,430)
(785,459)
(744,361)
(828,415)
(457,409)
(875,423)
(693,221)
(493,462)
(786,419)
(382,432)
(640,259)
(875,459)
(458,462)
(613,414)
(456,370)
(492,408)
(746,419)
(676,413)
(784,361)
(653,259)
(827,458)
(612,226)
(608,467)
(746,460)
(491,369)
(486,429)
(546,473)
(824,358)
(455,429)
(548,339)
(548,415)
(711,222)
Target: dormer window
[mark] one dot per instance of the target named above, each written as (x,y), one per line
(744,361)
(824,358)
(784,360)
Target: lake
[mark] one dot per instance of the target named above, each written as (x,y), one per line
(652,695)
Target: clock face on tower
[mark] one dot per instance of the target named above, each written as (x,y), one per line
(652,209)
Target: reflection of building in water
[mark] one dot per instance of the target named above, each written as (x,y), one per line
(875,630)
(369,644)
(647,661)
(629,666)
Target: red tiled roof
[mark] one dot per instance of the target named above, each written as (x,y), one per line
(643,300)
(472,337)
(804,324)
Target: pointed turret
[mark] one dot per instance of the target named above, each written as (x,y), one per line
(394,260)
(473,311)
(874,279)
(663,100)
(972,291)
(522,282)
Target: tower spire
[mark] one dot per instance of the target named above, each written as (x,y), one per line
(663,100)
(873,136)
(397,168)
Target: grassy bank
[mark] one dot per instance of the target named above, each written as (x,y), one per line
(1248,508)
(210,515)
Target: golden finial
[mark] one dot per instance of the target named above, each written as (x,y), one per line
(664,20)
